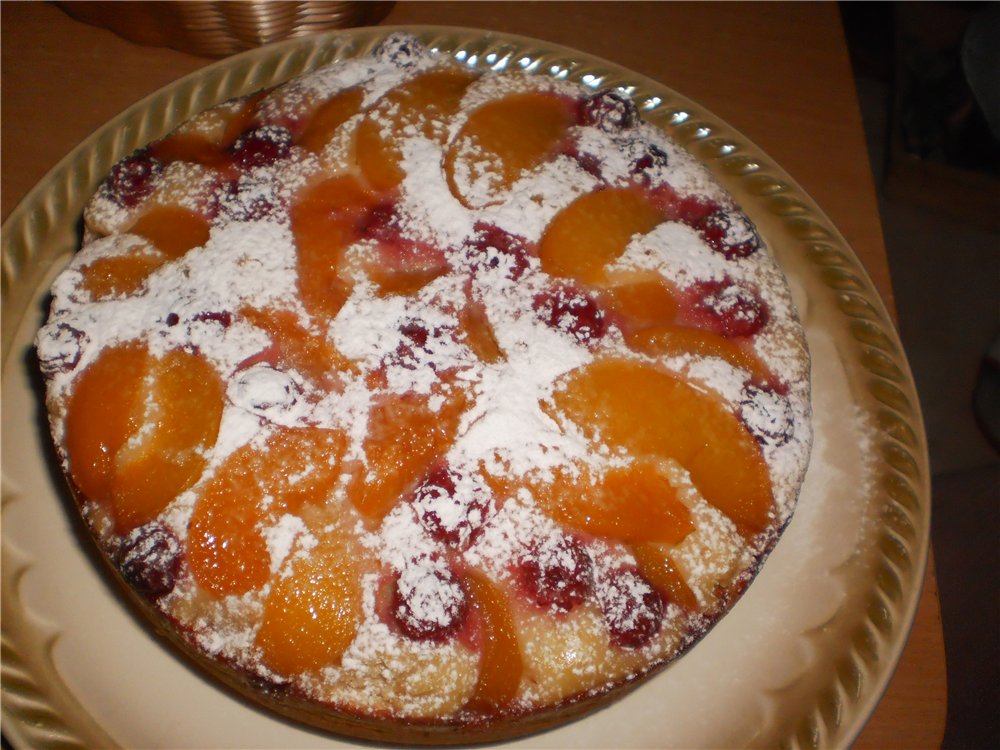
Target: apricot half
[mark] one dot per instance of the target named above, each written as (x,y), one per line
(500,663)
(594,230)
(503,140)
(650,412)
(421,106)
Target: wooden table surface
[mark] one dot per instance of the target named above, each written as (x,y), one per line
(778,73)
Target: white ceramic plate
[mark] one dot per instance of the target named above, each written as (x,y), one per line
(800,661)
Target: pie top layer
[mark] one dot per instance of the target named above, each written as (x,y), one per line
(428,395)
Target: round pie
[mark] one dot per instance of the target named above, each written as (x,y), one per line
(423,404)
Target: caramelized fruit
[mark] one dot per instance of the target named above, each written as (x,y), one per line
(631,504)
(121,274)
(593,231)
(633,610)
(328,117)
(405,438)
(182,409)
(503,140)
(421,104)
(172,230)
(653,413)
(659,569)
(500,662)
(311,615)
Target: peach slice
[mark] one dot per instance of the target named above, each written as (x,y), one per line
(661,571)
(178,422)
(676,341)
(329,116)
(121,274)
(172,229)
(405,438)
(505,139)
(650,412)
(420,105)
(594,230)
(501,664)
(326,219)
(631,504)
(101,415)
(312,615)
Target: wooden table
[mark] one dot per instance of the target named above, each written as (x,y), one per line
(779,73)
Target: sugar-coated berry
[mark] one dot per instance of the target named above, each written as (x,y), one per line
(133,178)
(573,312)
(633,610)
(447,514)
(767,414)
(609,110)
(557,574)
(428,600)
(262,146)
(150,559)
(494,247)
(735,310)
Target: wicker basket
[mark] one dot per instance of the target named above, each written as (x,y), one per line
(217,29)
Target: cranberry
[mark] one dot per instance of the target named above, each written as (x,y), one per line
(60,350)
(569,310)
(133,178)
(261,147)
(633,610)
(428,600)
(767,414)
(609,111)
(150,559)
(498,248)
(447,514)
(731,309)
(557,574)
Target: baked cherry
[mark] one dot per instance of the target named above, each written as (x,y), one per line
(428,600)
(261,147)
(249,199)
(447,514)
(569,310)
(557,574)
(633,611)
(495,248)
(150,559)
(133,178)
(609,111)
(731,309)
(767,414)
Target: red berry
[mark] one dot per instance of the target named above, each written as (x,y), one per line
(633,610)
(608,110)
(249,199)
(693,210)
(150,559)
(261,147)
(447,514)
(767,414)
(728,308)
(649,159)
(571,311)
(495,248)
(557,573)
(730,234)
(428,600)
(133,178)
(60,350)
